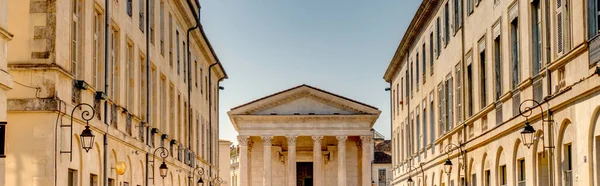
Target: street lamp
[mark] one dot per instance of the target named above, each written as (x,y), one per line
(528,132)
(410,181)
(200,172)
(86,136)
(163,168)
(448,163)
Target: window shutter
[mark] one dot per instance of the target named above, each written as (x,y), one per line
(440,110)
(443,103)
(559,26)
(591,19)
(450,103)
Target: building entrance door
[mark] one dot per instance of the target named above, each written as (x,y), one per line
(304,173)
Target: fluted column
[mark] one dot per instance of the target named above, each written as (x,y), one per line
(244,174)
(267,160)
(341,160)
(317,161)
(291,162)
(366,142)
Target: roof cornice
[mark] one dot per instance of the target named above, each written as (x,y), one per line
(416,25)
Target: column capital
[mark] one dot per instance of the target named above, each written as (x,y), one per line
(317,139)
(341,140)
(267,140)
(366,139)
(243,140)
(292,140)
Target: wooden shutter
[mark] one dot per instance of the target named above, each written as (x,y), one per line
(559,26)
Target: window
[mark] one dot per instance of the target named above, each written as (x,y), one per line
(437,39)
(172,108)
(201,75)
(93,180)
(116,71)
(417,72)
(411,79)
(141,10)
(514,45)
(424,132)
(97,51)
(536,36)
(457,15)
(401,93)
(154,92)
(170,40)
(130,8)
(163,104)
(446,25)
(129,64)
(184,63)
(502,175)
(449,105)
(397,103)
(418,129)
(177,51)
(593,18)
(563,26)
(441,108)
(521,172)
(568,167)
(382,177)
(497,68)
(162,27)
(458,93)
(430,54)
(469,91)
(76,37)
(431,120)
(151,20)
(424,54)
(111,182)
(474,180)
(487,178)
(72,178)
(482,78)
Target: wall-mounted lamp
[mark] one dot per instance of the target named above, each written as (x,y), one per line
(87,136)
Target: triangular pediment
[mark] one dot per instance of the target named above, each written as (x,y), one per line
(304,100)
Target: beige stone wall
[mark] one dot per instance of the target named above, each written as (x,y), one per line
(224,169)
(489,144)
(41,60)
(6,80)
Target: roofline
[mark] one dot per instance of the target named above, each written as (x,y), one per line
(304,85)
(417,24)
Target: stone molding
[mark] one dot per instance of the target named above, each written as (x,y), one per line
(341,140)
(366,139)
(243,140)
(267,140)
(317,139)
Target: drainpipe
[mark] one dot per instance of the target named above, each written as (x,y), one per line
(106,67)
(147,88)
(462,75)
(189,69)
(549,89)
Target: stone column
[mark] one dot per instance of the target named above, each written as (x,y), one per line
(291,162)
(267,160)
(366,159)
(317,161)
(244,171)
(341,160)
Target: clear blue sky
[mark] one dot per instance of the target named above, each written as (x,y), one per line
(342,46)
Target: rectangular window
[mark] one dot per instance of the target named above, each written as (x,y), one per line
(184,63)
(593,18)
(93,180)
(424,54)
(425,125)
(418,130)
(72,178)
(154,98)
(431,53)
(163,104)
(487,178)
(111,182)
(502,175)
(142,79)
(177,51)
(431,120)
(536,36)
(469,91)
(141,10)
(115,84)
(172,108)
(446,24)
(97,40)
(441,108)
(196,72)
(457,15)
(563,26)
(417,72)
(438,36)
(151,20)
(474,180)
(130,8)
(129,69)
(411,79)
(514,45)
(482,78)
(449,103)
(458,93)
(76,37)
(497,68)
(162,27)
(170,40)
(568,166)
(521,172)
(398,97)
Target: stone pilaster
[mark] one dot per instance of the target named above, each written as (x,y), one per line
(243,142)
(317,161)
(366,142)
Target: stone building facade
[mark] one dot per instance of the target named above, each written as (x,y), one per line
(141,104)
(234,166)
(464,72)
(224,166)
(304,136)
(6,84)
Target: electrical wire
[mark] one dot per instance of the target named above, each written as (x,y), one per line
(37,89)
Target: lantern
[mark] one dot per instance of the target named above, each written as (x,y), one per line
(410,181)
(448,166)
(527,135)
(163,170)
(87,139)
